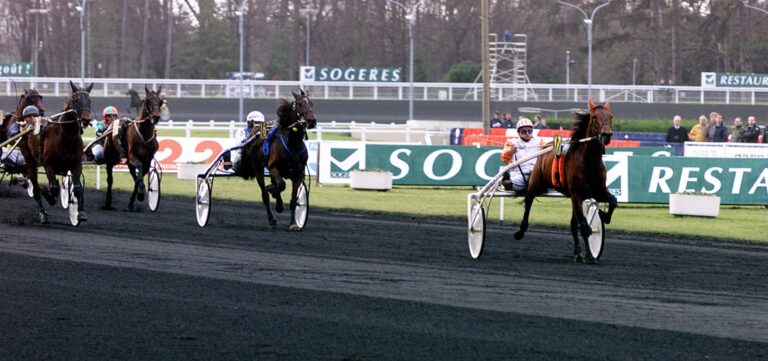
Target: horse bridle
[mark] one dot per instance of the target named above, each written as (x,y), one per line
(73,109)
(148,110)
(302,120)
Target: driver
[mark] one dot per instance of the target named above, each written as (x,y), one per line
(253,126)
(110,114)
(27,117)
(526,144)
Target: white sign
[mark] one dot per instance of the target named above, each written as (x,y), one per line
(725,150)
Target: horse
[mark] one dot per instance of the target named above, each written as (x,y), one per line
(30,97)
(139,147)
(135,101)
(286,156)
(58,148)
(585,173)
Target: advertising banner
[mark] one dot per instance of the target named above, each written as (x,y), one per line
(725,150)
(631,178)
(16,69)
(734,80)
(349,74)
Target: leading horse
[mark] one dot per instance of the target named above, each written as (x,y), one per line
(585,173)
(139,147)
(58,148)
(284,155)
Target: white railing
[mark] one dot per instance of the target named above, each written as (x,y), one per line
(364,131)
(195,88)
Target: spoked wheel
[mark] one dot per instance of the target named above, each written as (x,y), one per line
(29,187)
(302,206)
(153,190)
(66,183)
(476,229)
(72,203)
(597,238)
(203,200)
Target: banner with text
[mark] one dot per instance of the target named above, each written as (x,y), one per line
(734,80)
(636,179)
(16,69)
(372,75)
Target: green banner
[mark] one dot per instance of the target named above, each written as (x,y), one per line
(734,80)
(349,74)
(16,69)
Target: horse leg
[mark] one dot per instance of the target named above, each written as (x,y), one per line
(108,203)
(294,203)
(524,223)
(51,193)
(140,181)
(77,191)
(584,227)
(133,171)
(42,215)
(612,203)
(277,186)
(577,255)
(265,199)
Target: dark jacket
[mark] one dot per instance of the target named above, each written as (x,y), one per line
(751,132)
(678,135)
(497,123)
(718,133)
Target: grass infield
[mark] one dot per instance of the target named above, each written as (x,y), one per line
(746,223)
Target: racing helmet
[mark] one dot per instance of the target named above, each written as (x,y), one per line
(255,116)
(30,110)
(524,122)
(110,110)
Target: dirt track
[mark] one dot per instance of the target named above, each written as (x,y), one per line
(156,286)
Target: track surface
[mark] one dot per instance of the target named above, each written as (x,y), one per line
(138,286)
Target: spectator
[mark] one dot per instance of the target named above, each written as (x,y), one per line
(541,122)
(508,122)
(677,133)
(718,132)
(698,132)
(737,131)
(496,121)
(751,132)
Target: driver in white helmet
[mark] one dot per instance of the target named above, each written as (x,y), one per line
(518,148)
(253,126)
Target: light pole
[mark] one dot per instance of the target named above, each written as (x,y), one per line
(567,67)
(410,17)
(37,41)
(588,21)
(81,6)
(240,14)
(310,14)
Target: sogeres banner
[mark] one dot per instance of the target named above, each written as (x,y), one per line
(631,178)
(349,74)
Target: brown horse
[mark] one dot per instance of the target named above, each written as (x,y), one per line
(59,149)
(585,173)
(286,157)
(30,97)
(139,147)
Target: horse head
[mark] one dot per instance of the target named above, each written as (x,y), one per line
(80,103)
(31,97)
(600,122)
(302,107)
(151,107)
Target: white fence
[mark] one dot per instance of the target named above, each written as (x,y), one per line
(362,131)
(195,88)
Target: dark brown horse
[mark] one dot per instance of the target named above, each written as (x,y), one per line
(286,157)
(585,173)
(139,147)
(59,149)
(30,97)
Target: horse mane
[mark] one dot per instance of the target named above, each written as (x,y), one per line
(580,124)
(284,112)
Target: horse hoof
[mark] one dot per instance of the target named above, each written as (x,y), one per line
(279,208)
(604,216)
(590,260)
(294,227)
(43,217)
(81,216)
(578,258)
(140,196)
(519,235)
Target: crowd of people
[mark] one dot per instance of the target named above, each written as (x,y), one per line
(497,121)
(715,130)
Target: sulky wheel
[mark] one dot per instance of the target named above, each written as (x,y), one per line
(302,206)
(203,201)
(29,187)
(597,238)
(66,183)
(476,229)
(153,190)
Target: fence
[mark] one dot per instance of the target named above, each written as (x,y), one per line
(195,88)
